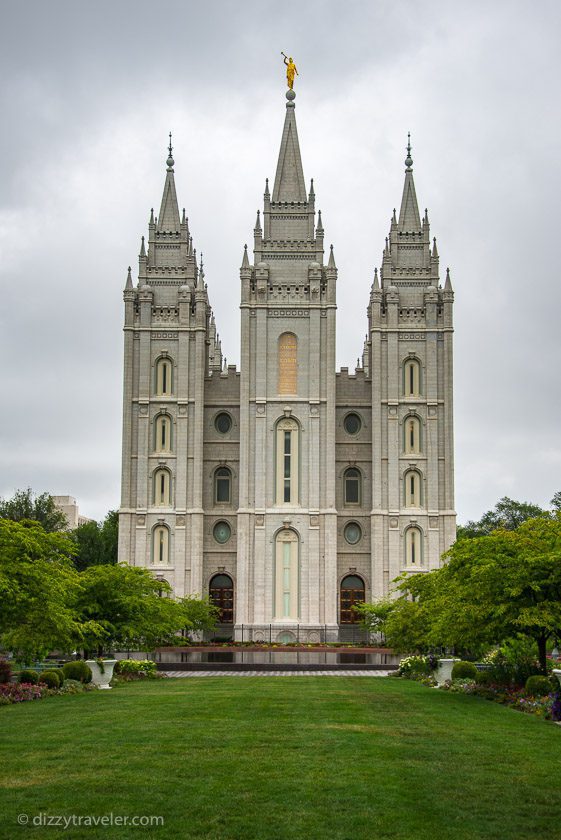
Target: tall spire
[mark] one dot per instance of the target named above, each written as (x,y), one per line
(289,180)
(168,220)
(409,218)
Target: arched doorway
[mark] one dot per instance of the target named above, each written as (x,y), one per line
(352,592)
(221,591)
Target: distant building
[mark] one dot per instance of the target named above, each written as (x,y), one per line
(69,506)
(287,491)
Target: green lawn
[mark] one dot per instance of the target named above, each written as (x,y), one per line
(295,758)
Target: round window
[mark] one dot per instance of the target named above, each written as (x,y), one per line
(352,533)
(223,423)
(352,424)
(222,532)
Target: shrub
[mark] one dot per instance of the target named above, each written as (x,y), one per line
(5,671)
(50,679)
(77,671)
(59,673)
(464,671)
(28,676)
(484,678)
(71,686)
(538,685)
(136,668)
(414,667)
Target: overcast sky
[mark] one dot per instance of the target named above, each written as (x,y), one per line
(88,94)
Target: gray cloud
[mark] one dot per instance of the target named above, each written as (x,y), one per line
(88,93)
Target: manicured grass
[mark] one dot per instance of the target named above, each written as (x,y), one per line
(295,758)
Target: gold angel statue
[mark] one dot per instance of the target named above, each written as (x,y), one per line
(291,70)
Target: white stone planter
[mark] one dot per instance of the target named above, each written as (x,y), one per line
(100,679)
(443,670)
(557,672)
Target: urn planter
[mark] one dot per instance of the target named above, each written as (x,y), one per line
(443,670)
(557,672)
(99,677)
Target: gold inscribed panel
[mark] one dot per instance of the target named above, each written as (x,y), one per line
(288,363)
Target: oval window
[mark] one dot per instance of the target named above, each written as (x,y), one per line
(352,424)
(222,532)
(352,533)
(223,423)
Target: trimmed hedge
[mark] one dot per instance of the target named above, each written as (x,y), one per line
(538,685)
(77,671)
(28,676)
(50,679)
(59,673)
(464,671)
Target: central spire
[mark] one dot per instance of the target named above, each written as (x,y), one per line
(289,180)
(168,220)
(409,218)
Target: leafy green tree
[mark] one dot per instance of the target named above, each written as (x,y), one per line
(126,607)
(97,542)
(38,585)
(25,504)
(198,614)
(493,588)
(556,501)
(507,514)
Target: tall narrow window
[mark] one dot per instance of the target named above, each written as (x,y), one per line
(163,433)
(287,462)
(162,490)
(160,546)
(353,488)
(412,378)
(286,599)
(164,377)
(413,489)
(413,547)
(412,431)
(222,486)
(288,363)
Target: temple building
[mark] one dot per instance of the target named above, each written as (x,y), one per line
(287,491)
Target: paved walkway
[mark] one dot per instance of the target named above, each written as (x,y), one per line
(276,673)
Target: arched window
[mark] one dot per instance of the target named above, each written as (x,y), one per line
(413,491)
(222,486)
(287,462)
(412,433)
(412,378)
(413,547)
(352,592)
(162,430)
(287,596)
(353,486)
(221,591)
(288,364)
(162,488)
(164,372)
(160,546)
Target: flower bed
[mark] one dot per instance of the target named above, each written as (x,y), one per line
(548,706)
(20,692)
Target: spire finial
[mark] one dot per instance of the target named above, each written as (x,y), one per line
(408,159)
(128,284)
(170,161)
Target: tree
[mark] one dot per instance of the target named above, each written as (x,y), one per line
(495,587)
(38,585)
(24,504)
(198,614)
(126,607)
(507,514)
(97,542)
